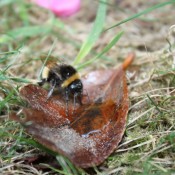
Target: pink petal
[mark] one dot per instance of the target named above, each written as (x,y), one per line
(61,8)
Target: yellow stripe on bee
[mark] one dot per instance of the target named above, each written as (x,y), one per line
(45,72)
(70,80)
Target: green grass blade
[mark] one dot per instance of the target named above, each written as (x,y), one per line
(106,49)
(9,53)
(16,79)
(23,32)
(55,169)
(94,34)
(46,58)
(63,163)
(29,31)
(5,2)
(142,13)
(5,100)
(21,80)
(154,104)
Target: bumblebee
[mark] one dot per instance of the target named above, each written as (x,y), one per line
(62,76)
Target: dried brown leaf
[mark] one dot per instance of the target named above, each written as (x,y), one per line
(91,132)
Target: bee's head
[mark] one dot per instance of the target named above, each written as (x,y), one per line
(76,87)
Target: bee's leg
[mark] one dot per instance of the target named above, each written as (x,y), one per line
(86,94)
(79,97)
(75,96)
(67,101)
(40,83)
(53,84)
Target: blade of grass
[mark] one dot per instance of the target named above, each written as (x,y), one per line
(16,79)
(5,2)
(47,57)
(71,166)
(106,49)
(142,13)
(9,53)
(94,34)
(54,169)
(63,163)
(25,140)
(28,31)
(22,80)
(154,104)
(24,32)
(5,100)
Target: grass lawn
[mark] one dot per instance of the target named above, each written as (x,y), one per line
(143,27)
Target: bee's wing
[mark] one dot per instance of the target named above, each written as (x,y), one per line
(48,60)
(55,68)
(52,63)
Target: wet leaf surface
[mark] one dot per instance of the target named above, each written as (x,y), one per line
(91,132)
